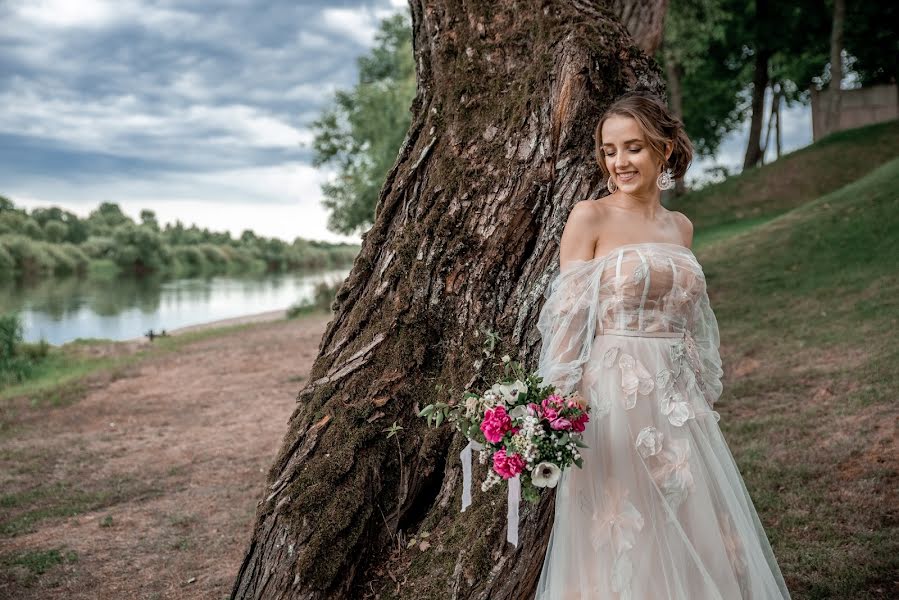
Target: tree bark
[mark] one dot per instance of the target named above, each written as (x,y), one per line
(759,83)
(499,149)
(644,20)
(836,66)
(674,72)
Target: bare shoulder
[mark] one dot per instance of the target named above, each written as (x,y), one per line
(684,225)
(579,235)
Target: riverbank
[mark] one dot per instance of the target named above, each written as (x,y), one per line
(145,483)
(263,317)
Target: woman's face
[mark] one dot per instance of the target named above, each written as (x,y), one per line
(632,164)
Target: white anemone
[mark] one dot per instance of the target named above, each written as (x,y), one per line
(546,474)
(509,391)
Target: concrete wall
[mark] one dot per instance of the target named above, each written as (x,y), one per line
(858,107)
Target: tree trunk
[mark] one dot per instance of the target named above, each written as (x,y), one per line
(772,115)
(759,84)
(674,72)
(499,150)
(836,66)
(644,20)
(777,129)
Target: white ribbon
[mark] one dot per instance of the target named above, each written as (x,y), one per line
(513,497)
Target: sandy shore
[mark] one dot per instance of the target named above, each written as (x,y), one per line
(263,317)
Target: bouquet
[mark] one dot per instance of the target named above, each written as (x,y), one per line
(529,433)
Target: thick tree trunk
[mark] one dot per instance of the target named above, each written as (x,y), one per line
(499,150)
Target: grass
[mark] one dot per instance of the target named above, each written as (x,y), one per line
(64,376)
(806,304)
(22,511)
(26,567)
(794,179)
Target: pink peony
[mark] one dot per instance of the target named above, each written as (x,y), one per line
(507,465)
(560,423)
(496,423)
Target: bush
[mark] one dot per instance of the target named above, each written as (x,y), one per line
(17,359)
(190,258)
(30,256)
(322,298)
(98,247)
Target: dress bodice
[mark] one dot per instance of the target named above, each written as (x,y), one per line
(648,287)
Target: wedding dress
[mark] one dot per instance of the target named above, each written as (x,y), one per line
(659,510)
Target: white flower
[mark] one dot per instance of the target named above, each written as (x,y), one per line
(546,474)
(506,358)
(519,412)
(649,441)
(677,409)
(509,391)
(492,479)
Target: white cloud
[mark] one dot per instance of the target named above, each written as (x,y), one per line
(358,24)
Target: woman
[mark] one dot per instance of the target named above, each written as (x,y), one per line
(659,510)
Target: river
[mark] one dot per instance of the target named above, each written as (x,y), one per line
(60,310)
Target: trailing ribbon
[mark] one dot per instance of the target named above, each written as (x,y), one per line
(513,497)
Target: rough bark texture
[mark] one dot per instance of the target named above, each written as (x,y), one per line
(499,150)
(644,20)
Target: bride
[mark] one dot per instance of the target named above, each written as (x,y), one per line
(659,510)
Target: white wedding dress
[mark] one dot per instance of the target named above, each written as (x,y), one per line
(659,510)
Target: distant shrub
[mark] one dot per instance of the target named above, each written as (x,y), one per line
(30,256)
(214,255)
(7,262)
(322,298)
(189,258)
(17,359)
(97,247)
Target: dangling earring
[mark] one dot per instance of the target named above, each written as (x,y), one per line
(665,180)
(610,185)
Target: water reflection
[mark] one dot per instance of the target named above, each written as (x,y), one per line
(63,309)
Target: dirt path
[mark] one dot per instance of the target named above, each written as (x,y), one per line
(146,487)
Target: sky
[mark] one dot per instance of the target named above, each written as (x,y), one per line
(198,110)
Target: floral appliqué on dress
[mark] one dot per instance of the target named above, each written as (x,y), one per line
(616,523)
(672,473)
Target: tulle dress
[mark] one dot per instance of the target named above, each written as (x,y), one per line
(659,510)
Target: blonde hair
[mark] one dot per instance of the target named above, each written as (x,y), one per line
(658,125)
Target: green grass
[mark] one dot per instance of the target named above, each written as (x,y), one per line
(60,379)
(807,305)
(26,567)
(794,179)
(22,511)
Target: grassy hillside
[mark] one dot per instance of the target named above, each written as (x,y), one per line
(807,307)
(797,178)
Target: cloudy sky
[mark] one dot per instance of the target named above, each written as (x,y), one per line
(198,110)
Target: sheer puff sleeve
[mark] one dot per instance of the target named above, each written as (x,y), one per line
(567,324)
(704,331)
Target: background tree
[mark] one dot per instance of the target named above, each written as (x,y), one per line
(499,149)
(361,134)
(723,55)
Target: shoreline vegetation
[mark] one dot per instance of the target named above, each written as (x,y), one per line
(47,242)
(42,368)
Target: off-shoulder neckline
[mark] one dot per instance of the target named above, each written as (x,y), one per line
(623,246)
